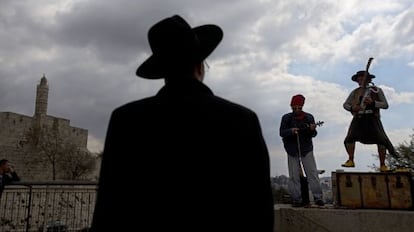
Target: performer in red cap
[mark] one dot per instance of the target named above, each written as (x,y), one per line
(297,129)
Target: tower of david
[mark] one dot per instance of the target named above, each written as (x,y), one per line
(19,133)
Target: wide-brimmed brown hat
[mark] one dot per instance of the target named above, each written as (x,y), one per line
(361,73)
(173,43)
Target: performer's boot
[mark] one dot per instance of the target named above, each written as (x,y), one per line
(350,149)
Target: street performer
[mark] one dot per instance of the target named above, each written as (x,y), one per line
(365,103)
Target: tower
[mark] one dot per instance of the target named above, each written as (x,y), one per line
(42,92)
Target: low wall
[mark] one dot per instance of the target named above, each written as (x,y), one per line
(341,220)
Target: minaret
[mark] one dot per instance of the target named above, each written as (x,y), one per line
(42,92)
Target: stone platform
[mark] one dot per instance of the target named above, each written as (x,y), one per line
(329,218)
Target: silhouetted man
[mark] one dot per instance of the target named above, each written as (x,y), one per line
(184,159)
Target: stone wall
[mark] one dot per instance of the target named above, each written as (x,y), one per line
(13,132)
(19,134)
(330,218)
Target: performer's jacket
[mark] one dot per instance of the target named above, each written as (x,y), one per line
(356,97)
(290,140)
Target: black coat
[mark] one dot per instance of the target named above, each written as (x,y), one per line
(6,179)
(184,160)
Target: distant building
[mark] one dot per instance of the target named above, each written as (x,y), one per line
(14,130)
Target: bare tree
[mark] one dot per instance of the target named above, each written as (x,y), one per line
(76,163)
(50,150)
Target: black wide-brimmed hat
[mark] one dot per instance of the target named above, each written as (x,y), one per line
(361,73)
(173,42)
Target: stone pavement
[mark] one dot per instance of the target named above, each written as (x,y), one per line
(334,219)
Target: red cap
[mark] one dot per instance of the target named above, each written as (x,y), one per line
(297,100)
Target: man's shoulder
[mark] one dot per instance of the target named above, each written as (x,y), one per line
(9,177)
(230,104)
(287,115)
(137,104)
(375,88)
(227,107)
(308,114)
(212,101)
(357,89)
(309,117)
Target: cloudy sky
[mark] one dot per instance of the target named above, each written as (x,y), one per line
(89,51)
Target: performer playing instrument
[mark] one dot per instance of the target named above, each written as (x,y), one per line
(365,103)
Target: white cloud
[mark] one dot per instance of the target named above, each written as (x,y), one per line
(95,145)
(393,97)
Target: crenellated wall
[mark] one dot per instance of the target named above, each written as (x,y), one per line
(15,128)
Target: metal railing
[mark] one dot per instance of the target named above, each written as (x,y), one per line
(49,206)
